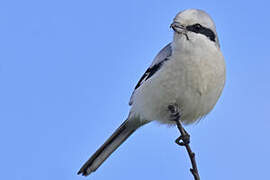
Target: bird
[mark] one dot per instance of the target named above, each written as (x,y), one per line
(189,73)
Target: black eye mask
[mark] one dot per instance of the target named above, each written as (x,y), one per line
(197,28)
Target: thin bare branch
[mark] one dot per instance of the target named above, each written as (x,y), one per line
(184,139)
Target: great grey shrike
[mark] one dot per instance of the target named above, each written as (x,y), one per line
(188,72)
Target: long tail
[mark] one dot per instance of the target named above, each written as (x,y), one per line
(114,141)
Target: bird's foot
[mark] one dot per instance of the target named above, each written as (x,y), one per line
(175,115)
(174,112)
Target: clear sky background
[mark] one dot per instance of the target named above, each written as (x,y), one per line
(68,68)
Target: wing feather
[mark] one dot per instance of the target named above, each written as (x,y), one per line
(160,58)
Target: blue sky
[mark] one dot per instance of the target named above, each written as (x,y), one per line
(65,87)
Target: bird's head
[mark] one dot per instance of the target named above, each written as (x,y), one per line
(194,23)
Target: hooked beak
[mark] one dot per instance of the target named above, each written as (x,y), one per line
(178,28)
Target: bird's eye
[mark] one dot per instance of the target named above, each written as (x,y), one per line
(197,26)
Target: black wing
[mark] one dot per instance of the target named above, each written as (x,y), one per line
(150,72)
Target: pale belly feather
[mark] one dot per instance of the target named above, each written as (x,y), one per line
(195,84)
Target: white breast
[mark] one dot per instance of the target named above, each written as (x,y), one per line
(193,77)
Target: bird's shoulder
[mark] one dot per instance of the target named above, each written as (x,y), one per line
(160,58)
